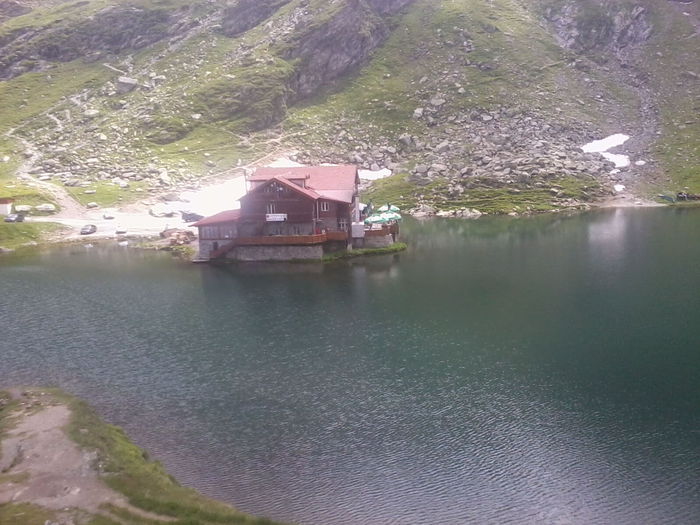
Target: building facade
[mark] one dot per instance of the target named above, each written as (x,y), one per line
(287,213)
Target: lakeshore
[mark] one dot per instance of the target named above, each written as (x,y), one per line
(147,218)
(140,225)
(61,464)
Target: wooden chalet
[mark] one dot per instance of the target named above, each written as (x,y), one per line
(287,213)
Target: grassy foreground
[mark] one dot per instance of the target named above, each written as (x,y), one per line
(127,469)
(16,234)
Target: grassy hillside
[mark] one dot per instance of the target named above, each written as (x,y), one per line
(218,84)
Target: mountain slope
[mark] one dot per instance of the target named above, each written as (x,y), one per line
(474,103)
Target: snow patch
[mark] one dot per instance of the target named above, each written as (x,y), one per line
(215,198)
(374,175)
(620,161)
(603,145)
(284,162)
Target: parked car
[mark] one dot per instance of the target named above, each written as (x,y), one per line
(121,230)
(88,229)
(107,215)
(14,217)
(189,216)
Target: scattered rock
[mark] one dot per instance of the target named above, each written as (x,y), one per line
(126,84)
(437,101)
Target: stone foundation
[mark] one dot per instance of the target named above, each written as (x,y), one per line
(375,241)
(206,247)
(276,253)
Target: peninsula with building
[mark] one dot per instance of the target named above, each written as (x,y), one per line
(296,213)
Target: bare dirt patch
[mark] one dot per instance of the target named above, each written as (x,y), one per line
(41,465)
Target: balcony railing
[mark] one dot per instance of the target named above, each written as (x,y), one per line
(386,229)
(271,240)
(280,240)
(337,235)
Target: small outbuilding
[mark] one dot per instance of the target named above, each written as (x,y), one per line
(6,205)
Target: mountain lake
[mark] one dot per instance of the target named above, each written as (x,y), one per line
(530,370)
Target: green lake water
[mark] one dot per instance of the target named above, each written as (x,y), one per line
(542,370)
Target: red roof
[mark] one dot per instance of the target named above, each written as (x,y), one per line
(6,200)
(219,218)
(294,187)
(307,192)
(336,183)
(331,182)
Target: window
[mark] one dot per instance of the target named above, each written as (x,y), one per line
(270,207)
(325,206)
(342,224)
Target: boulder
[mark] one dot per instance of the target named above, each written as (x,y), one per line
(442,147)
(406,140)
(45,207)
(423,211)
(469,213)
(126,84)
(437,101)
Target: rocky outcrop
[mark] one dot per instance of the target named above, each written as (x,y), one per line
(508,148)
(111,31)
(10,8)
(334,48)
(247,14)
(591,25)
(341,44)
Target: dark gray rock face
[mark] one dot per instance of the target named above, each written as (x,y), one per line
(341,44)
(247,14)
(592,25)
(388,7)
(111,31)
(9,9)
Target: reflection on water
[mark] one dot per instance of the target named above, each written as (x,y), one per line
(536,370)
(607,237)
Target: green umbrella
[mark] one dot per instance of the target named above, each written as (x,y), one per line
(376,219)
(389,207)
(391,216)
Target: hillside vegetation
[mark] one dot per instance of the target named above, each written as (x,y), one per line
(473,103)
